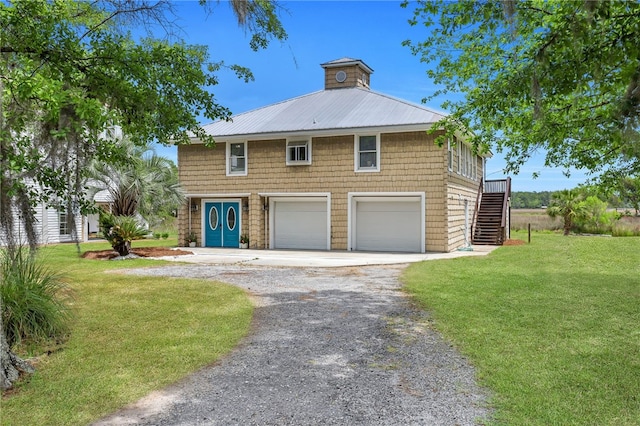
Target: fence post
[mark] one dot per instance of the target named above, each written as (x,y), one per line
(529,231)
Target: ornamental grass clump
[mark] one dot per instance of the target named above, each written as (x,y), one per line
(33,299)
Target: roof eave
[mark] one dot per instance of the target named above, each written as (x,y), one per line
(323,132)
(334,64)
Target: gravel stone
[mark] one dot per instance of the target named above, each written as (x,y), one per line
(330,346)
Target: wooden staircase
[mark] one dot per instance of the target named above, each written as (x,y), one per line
(491,215)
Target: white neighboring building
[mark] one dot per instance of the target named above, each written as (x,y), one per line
(51,223)
(51,227)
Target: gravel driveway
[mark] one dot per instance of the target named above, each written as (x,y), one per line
(330,346)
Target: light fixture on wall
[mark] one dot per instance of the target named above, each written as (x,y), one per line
(194,207)
(245,205)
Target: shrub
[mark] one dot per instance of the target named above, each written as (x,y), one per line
(120,231)
(33,300)
(191,238)
(157,235)
(165,235)
(595,218)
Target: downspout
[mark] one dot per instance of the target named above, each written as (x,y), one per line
(265,208)
(466,222)
(189,208)
(467,245)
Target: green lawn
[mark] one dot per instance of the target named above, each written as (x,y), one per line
(553,327)
(131,335)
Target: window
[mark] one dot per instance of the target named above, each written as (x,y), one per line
(450,155)
(473,164)
(467,162)
(367,153)
(237,158)
(63,222)
(298,152)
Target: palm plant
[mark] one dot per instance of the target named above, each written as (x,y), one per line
(568,204)
(120,231)
(141,183)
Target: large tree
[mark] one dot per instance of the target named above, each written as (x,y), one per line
(70,69)
(562,76)
(629,191)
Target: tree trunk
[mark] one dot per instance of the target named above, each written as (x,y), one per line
(123,248)
(10,364)
(568,224)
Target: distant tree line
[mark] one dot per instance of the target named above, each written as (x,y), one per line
(530,199)
(624,195)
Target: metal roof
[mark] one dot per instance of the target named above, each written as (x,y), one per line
(346,62)
(327,110)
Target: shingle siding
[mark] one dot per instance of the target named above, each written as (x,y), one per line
(356,76)
(409,162)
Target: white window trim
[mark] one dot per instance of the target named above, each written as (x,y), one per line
(63,222)
(449,155)
(459,157)
(356,154)
(474,165)
(306,162)
(467,161)
(228,158)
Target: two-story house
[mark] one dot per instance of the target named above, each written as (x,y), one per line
(344,168)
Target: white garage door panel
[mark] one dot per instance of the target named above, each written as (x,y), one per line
(388,226)
(301,225)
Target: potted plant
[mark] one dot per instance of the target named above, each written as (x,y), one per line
(192,240)
(244,241)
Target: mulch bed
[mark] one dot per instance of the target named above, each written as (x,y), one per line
(139,251)
(513,243)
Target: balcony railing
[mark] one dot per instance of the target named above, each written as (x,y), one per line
(498,185)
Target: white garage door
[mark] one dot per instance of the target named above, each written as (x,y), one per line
(300,225)
(388,225)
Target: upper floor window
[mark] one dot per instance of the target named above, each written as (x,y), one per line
(298,152)
(467,161)
(449,155)
(237,158)
(367,149)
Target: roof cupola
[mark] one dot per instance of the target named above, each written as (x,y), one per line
(346,72)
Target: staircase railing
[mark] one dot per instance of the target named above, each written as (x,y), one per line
(505,207)
(494,186)
(475,210)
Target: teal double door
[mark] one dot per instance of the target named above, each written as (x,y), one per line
(222,224)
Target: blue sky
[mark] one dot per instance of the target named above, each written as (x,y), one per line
(321,31)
